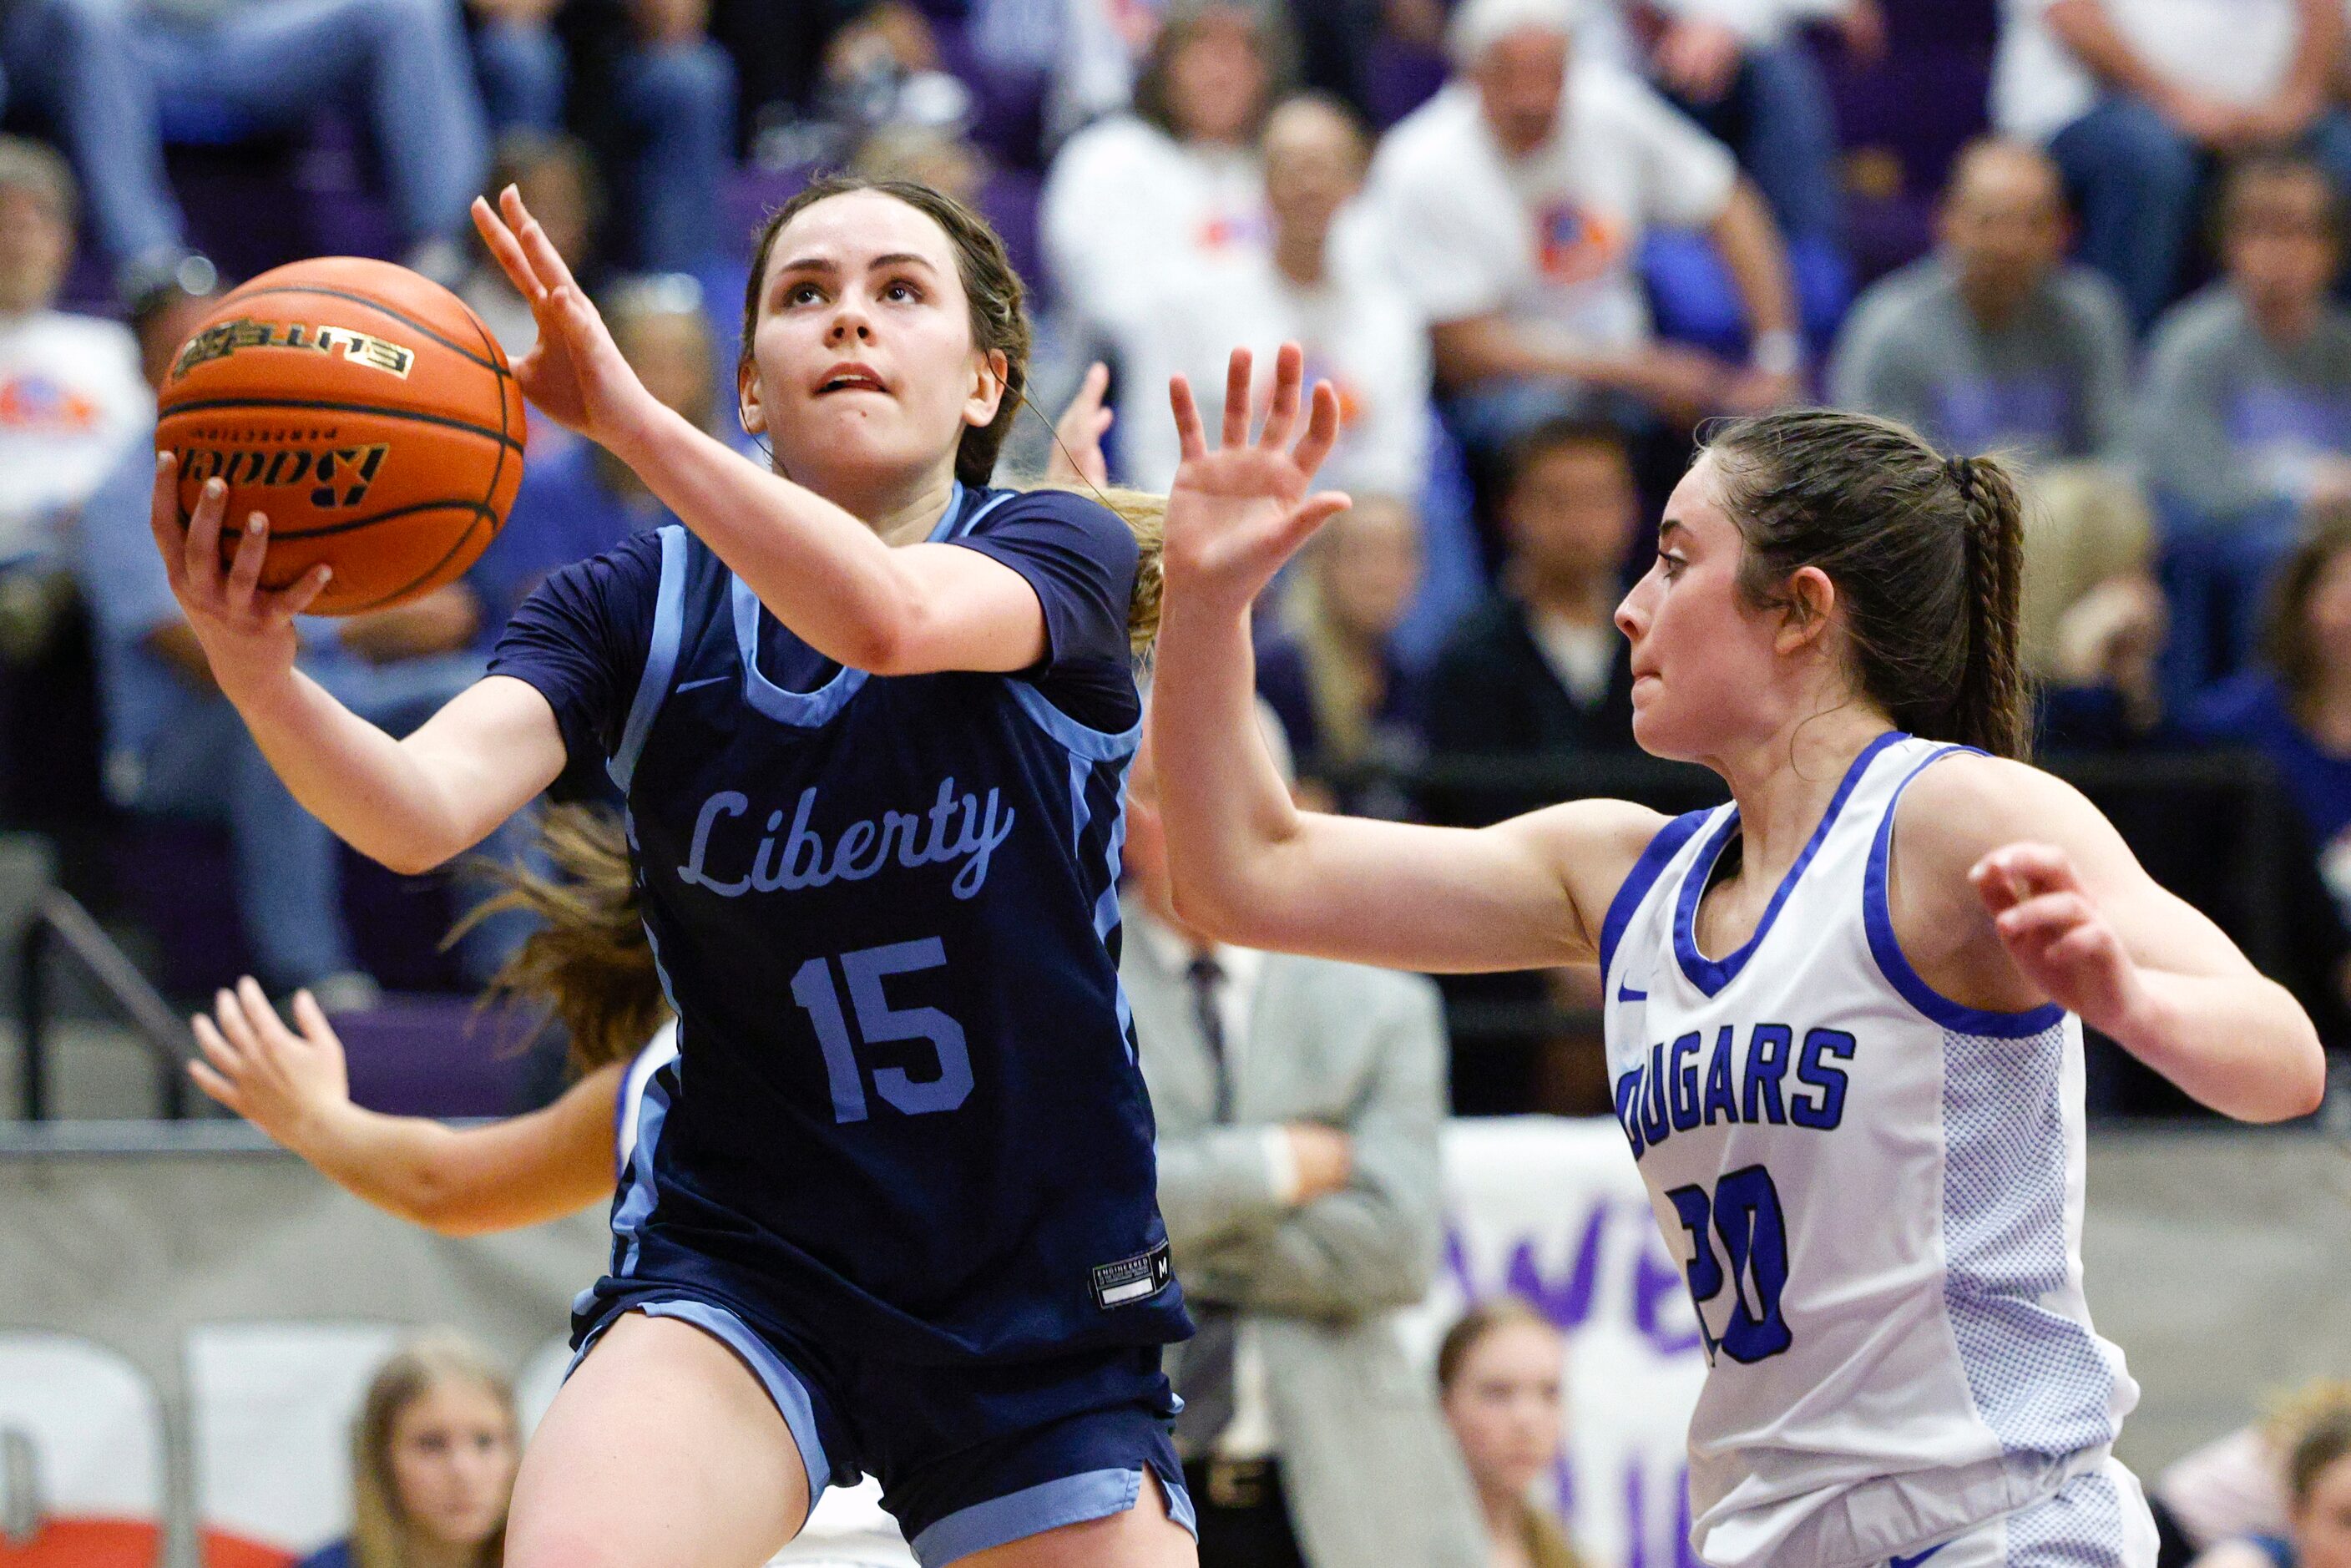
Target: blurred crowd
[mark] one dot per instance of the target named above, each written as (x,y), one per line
(1533,244)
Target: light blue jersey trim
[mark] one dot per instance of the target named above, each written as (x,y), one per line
(1710,975)
(809,710)
(1082,740)
(1071,1500)
(661,657)
(1877,920)
(636,1205)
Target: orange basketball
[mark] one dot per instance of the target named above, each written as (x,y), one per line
(365,412)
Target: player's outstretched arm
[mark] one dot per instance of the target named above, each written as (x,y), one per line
(291,1083)
(2045,902)
(1247,864)
(411,804)
(818,569)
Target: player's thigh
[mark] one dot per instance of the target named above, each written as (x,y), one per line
(663,1450)
(1141,1537)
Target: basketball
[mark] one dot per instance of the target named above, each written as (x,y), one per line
(365,412)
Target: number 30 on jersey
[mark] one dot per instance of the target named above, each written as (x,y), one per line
(1744,1215)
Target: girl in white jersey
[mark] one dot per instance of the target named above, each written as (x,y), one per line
(1843,1012)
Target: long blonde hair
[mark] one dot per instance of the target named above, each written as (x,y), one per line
(379,1530)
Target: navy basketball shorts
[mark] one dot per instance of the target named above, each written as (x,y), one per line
(969,1458)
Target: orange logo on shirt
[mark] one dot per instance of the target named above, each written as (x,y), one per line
(1575,246)
(42,403)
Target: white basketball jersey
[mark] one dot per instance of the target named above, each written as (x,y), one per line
(1877,1194)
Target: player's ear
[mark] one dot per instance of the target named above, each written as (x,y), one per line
(988,377)
(747,408)
(1806,603)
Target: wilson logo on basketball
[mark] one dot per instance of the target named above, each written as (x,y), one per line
(227,338)
(339,477)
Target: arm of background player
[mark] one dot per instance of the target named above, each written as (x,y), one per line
(817,568)
(460,1181)
(411,803)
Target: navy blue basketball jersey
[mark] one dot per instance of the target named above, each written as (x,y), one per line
(906,1115)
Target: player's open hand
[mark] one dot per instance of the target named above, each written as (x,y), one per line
(1078,459)
(575,372)
(246,631)
(2055,934)
(286,1083)
(1238,510)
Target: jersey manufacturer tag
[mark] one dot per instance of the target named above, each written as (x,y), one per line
(1131,1280)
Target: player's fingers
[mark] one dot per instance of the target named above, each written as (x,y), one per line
(244,568)
(221,1089)
(507,252)
(1190,442)
(1282,414)
(2043,917)
(1237,373)
(2084,945)
(200,548)
(163,517)
(218,1049)
(1309,514)
(545,259)
(1321,430)
(297,600)
(2036,868)
(1096,384)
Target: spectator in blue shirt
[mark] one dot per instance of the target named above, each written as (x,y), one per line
(433,1462)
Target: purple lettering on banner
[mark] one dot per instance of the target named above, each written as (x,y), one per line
(1654,1283)
(1636,1515)
(1568,1301)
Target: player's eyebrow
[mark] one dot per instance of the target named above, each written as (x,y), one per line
(826,264)
(1670,526)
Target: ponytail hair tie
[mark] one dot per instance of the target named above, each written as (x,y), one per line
(1963,471)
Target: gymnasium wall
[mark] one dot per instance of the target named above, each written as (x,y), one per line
(187,1317)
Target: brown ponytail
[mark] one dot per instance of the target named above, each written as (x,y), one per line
(588,963)
(1926,553)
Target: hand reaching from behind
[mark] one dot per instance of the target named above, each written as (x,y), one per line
(1078,459)
(247,631)
(575,372)
(1239,510)
(289,1085)
(2057,937)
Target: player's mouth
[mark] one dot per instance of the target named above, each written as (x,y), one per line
(849,377)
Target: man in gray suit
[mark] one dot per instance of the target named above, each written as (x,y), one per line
(1299,1103)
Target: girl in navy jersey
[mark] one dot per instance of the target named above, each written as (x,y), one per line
(892,1209)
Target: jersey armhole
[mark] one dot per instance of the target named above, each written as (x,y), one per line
(1885,948)
(661,657)
(1643,875)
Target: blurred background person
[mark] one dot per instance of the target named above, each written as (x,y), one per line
(1514,202)
(2133,97)
(1321,284)
(2316,1451)
(433,1462)
(1328,661)
(1299,1103)
(1994,342)
(1502,1371)
(2245,414)
(1139,200)
(556,176)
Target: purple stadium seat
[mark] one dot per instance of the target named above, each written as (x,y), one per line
(436,1056)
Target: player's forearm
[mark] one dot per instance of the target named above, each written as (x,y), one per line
(2241,1045)
(372,794)
(816,567)
(1483,347)
(397,1164)
(1227,810)
(1758,262)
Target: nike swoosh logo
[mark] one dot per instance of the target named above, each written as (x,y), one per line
(1914,1562)
(705,681)
(1625,993)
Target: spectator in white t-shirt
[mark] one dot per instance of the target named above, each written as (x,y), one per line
(71,395)
(2133,97)
(1321,285)
(1513,205)
(1136,202)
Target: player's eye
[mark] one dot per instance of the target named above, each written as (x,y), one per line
(802,294)
(898,291)
(1672,564)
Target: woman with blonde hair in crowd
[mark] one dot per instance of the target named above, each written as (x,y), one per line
(1501,1371)
(2311,1433)
(433,1462)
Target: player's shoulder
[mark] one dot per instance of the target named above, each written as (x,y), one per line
(1966,804)
(1604,851)
(1069,516)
